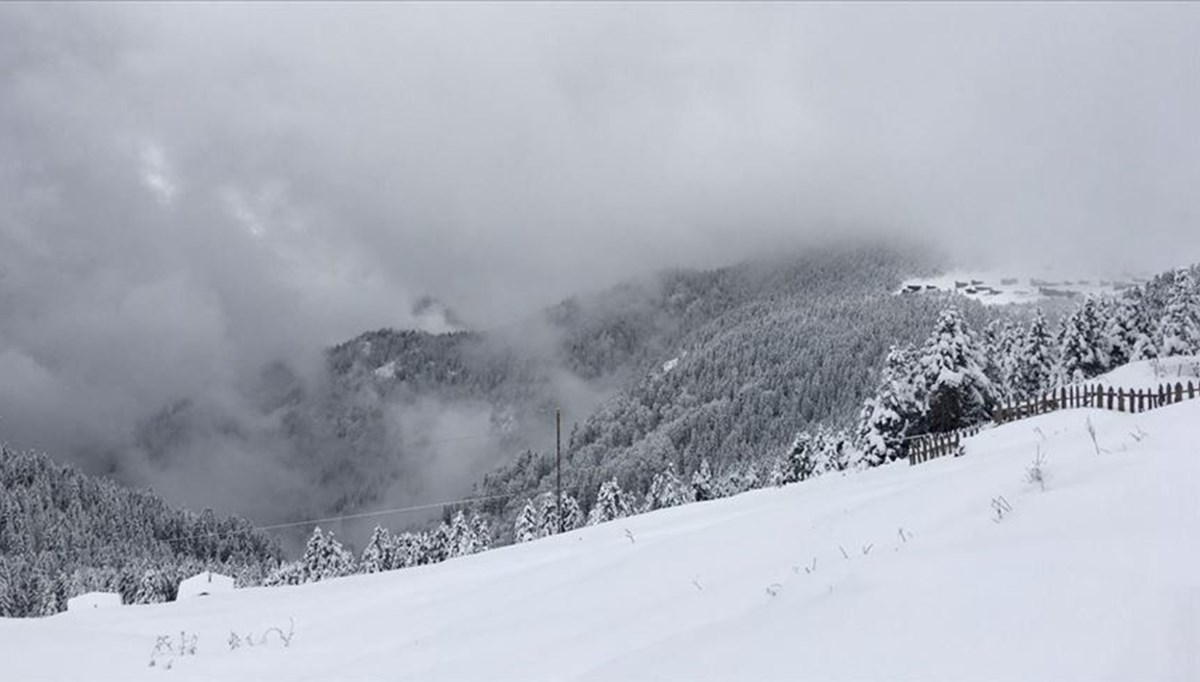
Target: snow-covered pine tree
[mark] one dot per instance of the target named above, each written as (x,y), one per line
(702,482)
(997,346)
(547,514)
(325,558)
(572,514)
(460,536)
(435,545)
(801,461)
(1082,345)
(287,573)
(892,413)
(611,503)
(1035,360)
(1178,331)
(154,588)
(666,490)
(1135,312)
(959,393)
(406,550)
(837,451)
(482,532)
(379,554)
(1119,335)
(777,476)
(528,524)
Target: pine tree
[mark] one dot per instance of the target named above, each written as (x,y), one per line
(894,411)
(959,393)
(1035,360)
(777,475)
(1178,331)
(461,540)
(288,573)
(325,558)
(801,461)
(379,554)
(1082,345)
(611,503)
(529,523)
(702,483)
(482,532)
(572,515)
(666,490)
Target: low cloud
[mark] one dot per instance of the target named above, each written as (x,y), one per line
(190,192)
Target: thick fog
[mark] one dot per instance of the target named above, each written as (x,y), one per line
(188,192)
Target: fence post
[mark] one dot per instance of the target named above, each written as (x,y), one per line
(1111,395)
(1191,390)
(1178,392)
(1120,400)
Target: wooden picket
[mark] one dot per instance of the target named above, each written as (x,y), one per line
(1134,401)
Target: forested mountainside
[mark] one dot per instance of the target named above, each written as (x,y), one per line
(63,533)
(416,416)
(787,346)
(755,351)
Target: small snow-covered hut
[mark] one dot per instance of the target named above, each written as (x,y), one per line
(93,600)
(204,584)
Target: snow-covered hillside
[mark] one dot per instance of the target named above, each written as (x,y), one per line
(1150,374)
(896,573)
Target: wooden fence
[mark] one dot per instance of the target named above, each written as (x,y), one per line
(934,445)
(1120,400)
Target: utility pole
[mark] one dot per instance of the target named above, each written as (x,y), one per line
(558,503)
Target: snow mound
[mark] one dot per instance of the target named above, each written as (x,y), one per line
(205,584)
(93,600)
(959,569)
(1146,374)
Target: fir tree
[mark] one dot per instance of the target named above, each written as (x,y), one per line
(893,413)
(1035,360)
(702,482)
(611,503)
(1178,331)
(529,523)
(460,536)
(1082,345)
(379,554)
(801,462)
(959,393)
(572,514)
(666,490)
(325,558)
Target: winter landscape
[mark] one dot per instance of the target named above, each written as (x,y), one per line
(599,341)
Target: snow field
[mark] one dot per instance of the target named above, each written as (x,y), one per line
(1097,578)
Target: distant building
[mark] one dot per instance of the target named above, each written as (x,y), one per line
(93,600)
(204,584)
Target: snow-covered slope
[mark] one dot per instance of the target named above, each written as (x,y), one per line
(1149,374)
(896,573)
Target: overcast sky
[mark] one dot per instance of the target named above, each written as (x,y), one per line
(187,191)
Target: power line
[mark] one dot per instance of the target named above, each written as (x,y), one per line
(347,517)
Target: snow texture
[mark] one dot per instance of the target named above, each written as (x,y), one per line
(1150,374)
(959,569)
(93,600)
